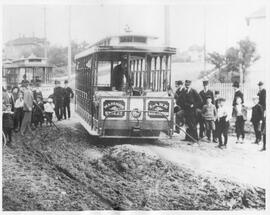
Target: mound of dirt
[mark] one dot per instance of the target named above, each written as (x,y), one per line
(166,186)
(67,170)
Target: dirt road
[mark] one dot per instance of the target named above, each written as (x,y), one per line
(69,170)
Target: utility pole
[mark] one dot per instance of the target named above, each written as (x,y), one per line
(45,34)
(167,25)
(69,43)
(45,43)
(204,38)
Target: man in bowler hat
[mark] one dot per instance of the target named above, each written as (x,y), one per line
(237,93)
(58,96)
(192,103)
(179,97)
(262,95)
(68,94)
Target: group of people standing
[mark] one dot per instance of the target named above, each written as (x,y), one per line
(62,96)
(208,110)
(23,108)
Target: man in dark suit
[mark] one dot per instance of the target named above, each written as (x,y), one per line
(237,93)
(58,96)
(119,72)
(204,94)
(257,118)
(192,103)
(68,94)
(262,95)
(179,97)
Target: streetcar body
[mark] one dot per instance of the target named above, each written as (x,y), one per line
(142,107)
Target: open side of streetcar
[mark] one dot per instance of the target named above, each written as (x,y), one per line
(140,107)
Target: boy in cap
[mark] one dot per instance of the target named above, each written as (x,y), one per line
(209,114)
(240,114)
(38,112)
(18,111)
(192,102)
(8,122)
(256,118)
(217,96)
(222,123)
(68,94)
(49,109)
(204,94)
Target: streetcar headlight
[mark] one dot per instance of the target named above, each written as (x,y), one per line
(136,113)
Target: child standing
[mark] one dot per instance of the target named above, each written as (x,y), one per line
(18,112)
(8,123)
(38,112)
(49,109)
(209,114)
(240,114)
(222,123)
(256,118)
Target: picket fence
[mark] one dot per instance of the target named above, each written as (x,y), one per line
(226,91)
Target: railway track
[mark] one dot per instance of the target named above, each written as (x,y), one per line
(68,175)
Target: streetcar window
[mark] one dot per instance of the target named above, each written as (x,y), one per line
(104,74)
(34,60)
(136,39)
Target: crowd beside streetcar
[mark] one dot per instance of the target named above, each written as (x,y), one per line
(208,111)
(24,109)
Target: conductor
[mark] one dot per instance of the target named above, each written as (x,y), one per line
(119,72)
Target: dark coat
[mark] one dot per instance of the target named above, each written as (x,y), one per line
(262,98)
(8,120)
(12,102)
(204,96)
(192,98)
(238,94)
(38,108)
(179,96)
(68,94)
(118,76)
(257,113)
(58,94)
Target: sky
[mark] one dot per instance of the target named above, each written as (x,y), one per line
(224,23)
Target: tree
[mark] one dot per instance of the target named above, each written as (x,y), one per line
(216,59)
(236,59)
(76,48)
(57,56)
(247,55)
(232,60)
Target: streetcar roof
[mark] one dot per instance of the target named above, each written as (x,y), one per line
(30,62)
(126,44)
(25,65)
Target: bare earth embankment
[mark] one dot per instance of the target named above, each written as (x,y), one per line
(69,170)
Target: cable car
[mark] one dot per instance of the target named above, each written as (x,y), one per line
(121,88)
